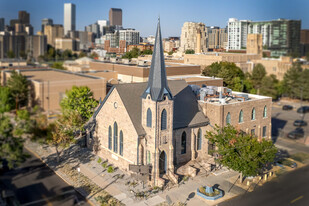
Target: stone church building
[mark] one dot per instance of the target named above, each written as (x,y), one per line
(158,123)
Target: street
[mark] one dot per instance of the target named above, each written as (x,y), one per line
(289,189)
(35,184)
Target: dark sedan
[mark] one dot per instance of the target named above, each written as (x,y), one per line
(287,107)
(300,123)
(303,109)
(296,134)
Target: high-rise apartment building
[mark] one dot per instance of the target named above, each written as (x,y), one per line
(281,36)
(193,36)
(24,17)
(237,33)
(46,22)
(52,32)
(115,17)
(304,42)
(69,17)
(216,37)
(102,24)
(129,35)
(2,24)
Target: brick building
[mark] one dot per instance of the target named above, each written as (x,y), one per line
(48,86)
(162,124)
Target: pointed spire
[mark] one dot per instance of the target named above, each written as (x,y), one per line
(157,82)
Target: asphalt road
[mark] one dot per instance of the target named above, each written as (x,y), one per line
(283,120)
(35,184)
(289,189)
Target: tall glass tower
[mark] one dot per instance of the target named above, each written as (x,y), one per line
(69,17)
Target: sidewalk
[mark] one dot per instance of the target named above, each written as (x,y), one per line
(115,183)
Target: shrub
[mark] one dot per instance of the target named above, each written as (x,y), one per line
(99,160)
(104,164)
(110,169)
(202,190)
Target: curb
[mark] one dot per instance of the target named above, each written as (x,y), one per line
(59,175)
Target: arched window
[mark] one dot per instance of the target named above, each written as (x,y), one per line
(228,118)
(115,137)
(199,139)
(241,116)
(253,114)
(121,143)
(110,137)
(149,117)
(183,143)
(163,120)
(265,111)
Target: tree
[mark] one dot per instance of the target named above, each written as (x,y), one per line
(79,99)
(58,65)
(292,81)
(240,151)
(189,51)
(61,134)
(258,74)
(94,55)
(226,70)
(11,54)
(146,52)
(11,148)
(18,85)
(24,125)
(6,100)
(67,54)
(269,86)
(82,54)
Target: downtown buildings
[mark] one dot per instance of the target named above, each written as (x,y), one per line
(69,18)
(281,36)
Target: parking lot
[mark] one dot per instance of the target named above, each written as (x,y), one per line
(282,123)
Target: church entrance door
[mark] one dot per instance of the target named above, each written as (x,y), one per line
(162,163)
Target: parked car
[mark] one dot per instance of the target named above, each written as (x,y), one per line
(300,123)
(287,107)
(296,134)
(303,109)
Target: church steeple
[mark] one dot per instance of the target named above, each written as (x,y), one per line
(157,82)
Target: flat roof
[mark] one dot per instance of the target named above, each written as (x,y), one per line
(193,77)
(53,75)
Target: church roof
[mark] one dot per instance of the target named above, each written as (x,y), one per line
(157,82)
(187,112)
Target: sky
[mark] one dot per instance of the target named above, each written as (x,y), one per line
(143,14)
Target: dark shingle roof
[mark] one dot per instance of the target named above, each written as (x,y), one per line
(157,82)
(187,112)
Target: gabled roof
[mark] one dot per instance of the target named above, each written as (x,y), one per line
(187,112)
(157,82)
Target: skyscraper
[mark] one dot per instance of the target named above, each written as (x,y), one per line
(115,17)
(237,33)
(69,17)
(46,22)
(2,24)
(193,36)
(24,17)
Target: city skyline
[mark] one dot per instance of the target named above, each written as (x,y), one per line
(212,13)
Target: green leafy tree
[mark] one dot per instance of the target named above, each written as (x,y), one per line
(146,52)
(58,65)
(19,87)
(82,54)
(226,70)
(189,51)
(24,124)
(170,53)
(11,54)
(11,148)
(67,54)
(62,133)
(258,74)
(292,81)
(241,152)
(6,100)
(269,86)
(79,99)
